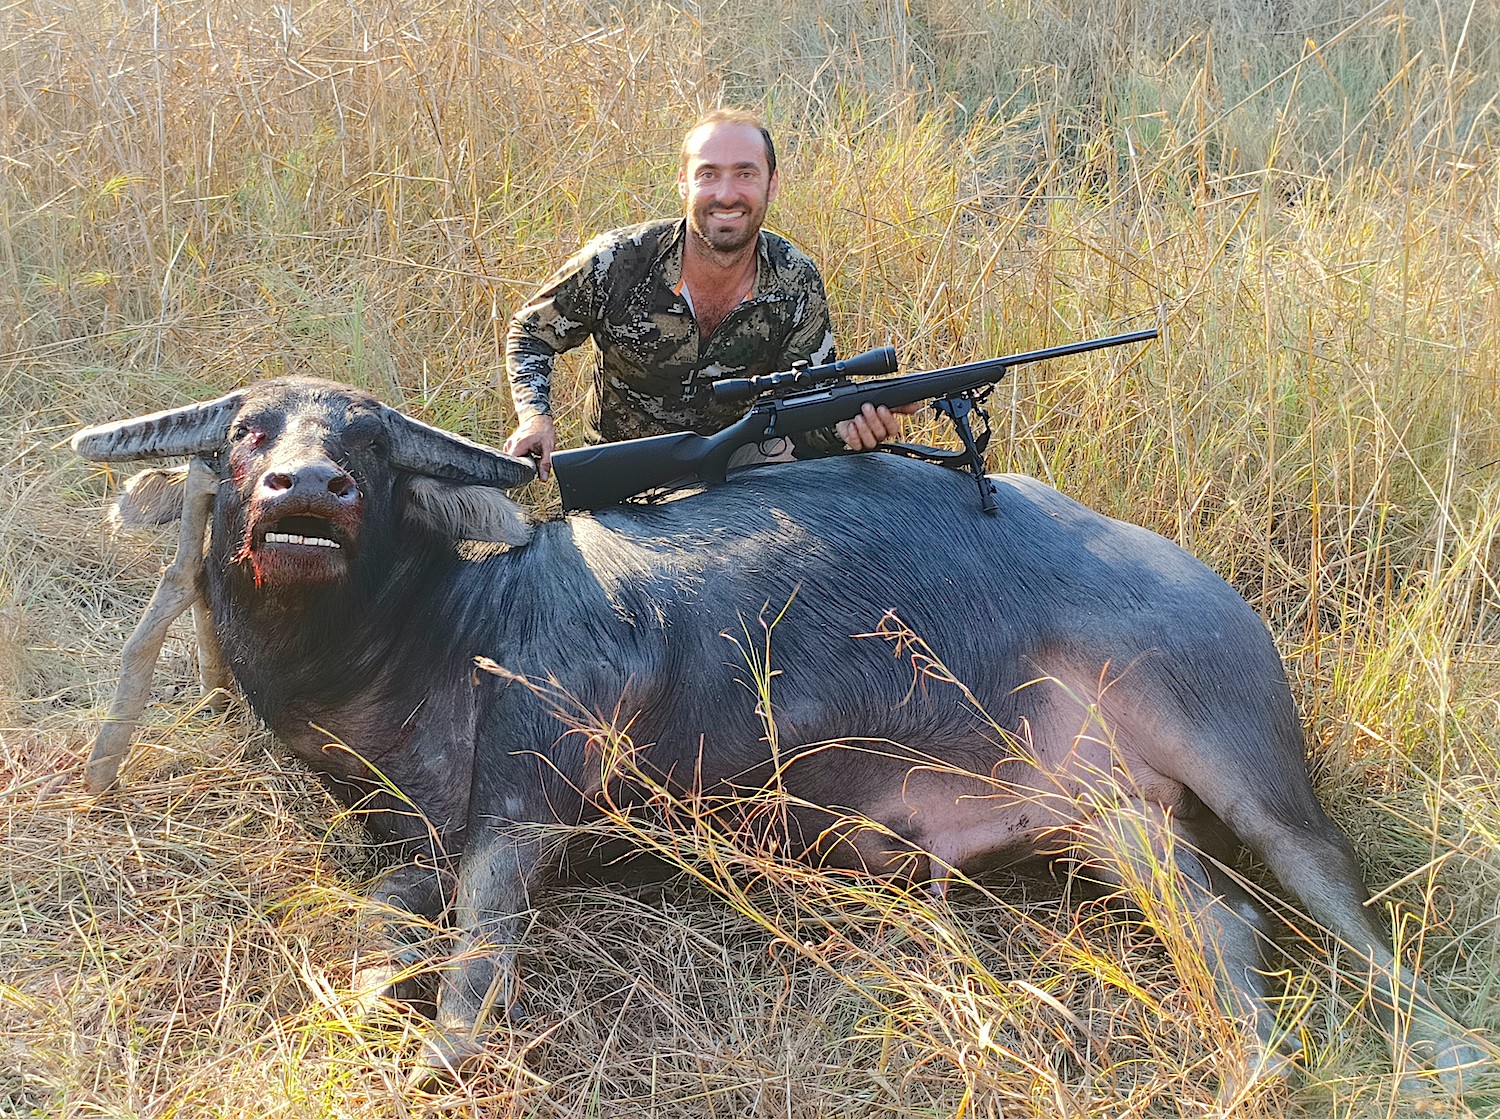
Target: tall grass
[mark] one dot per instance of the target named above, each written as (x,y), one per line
(1302,195)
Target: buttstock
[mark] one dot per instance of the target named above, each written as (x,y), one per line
(607,474)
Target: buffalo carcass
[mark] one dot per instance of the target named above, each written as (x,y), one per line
(1104,654)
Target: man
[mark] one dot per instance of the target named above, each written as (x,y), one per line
(674,305)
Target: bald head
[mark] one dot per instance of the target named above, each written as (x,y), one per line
(712,120)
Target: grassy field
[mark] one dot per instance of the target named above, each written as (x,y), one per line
(1305,197)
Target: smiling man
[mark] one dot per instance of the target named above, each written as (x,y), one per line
(674,305)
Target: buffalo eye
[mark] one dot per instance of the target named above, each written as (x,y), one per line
(366,433)
(244,433)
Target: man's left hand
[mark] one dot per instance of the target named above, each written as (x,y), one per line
(874,425)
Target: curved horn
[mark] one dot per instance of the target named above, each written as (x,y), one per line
(422,449)
(195,429)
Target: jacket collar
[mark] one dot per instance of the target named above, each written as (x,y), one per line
(669,261)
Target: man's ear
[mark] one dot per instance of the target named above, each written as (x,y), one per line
(774,186)
(682,183)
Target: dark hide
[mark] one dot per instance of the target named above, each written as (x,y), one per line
(1108,663)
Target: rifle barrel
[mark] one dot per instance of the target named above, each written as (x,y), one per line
(998,365)
(1078,347)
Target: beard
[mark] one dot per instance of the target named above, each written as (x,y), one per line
(723,238)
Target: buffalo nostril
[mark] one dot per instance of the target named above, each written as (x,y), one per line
(278,481)
(341,486)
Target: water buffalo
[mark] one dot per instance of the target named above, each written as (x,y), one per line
(1100,661)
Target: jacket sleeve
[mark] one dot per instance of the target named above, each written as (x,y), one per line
(559,317)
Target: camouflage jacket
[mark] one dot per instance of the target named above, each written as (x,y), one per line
(652,367)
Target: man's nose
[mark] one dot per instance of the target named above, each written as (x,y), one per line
(724,187)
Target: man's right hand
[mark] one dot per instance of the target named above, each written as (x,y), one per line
(874,426)
(537,438)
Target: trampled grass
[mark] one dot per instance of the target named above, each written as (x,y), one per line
(1303,196)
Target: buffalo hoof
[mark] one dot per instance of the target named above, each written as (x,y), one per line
(451,1055)
(448,1059)
(1267,1068)
(1459,1070)
(393,981)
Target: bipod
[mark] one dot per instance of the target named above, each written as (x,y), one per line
(958,408)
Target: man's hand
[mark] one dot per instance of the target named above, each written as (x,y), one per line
(537,437)
(874,425)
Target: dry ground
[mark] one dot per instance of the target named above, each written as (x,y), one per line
(1304,196)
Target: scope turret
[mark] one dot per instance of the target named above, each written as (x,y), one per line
(871,363)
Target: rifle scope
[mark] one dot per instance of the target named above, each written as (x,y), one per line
(871,363)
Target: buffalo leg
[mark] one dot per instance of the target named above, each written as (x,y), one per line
(212,673)
(1316,863)
(490,912)
(1164,864)
(409,898)
(177,591)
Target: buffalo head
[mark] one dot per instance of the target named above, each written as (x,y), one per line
(307,470)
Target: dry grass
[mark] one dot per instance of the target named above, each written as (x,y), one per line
(1303,195)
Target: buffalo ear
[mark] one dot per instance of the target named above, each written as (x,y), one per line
(151,497)
(463,512)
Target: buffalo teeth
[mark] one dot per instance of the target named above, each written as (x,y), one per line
(293,538)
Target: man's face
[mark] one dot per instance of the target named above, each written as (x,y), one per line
(726,185)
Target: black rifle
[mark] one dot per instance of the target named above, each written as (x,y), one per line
(796,401)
